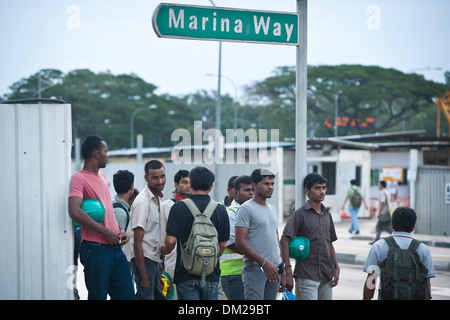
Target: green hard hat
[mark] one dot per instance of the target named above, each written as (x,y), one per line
(94,209)
(299,248)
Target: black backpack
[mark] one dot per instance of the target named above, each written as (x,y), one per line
(403,275)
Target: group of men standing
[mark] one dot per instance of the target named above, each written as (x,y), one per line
(252,266)
(255,262)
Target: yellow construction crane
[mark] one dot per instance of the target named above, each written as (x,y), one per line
(444,106)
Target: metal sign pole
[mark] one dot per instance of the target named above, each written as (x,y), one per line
(301,105)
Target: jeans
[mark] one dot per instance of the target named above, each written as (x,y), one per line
(354,216)
(233,287)
(192,290)
(106,271)
(154,291)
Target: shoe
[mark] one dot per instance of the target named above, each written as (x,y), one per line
(371,243)
(350,231)
(357,232)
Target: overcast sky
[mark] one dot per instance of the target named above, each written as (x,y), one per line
(117,35)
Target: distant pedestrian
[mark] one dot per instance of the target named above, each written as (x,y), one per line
(354,194)
(256,230)
(384,214)
(106,270)
(190,286)
(412,279)
(318,273)
(144,248)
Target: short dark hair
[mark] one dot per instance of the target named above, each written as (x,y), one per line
(123,179)
(404,219)
(179,175)
(90,144)
(241,180)
(259,174)
(153,164)
(134,195)
(201,178)
(353,182)
(231,182)
(313,178)
(383,183)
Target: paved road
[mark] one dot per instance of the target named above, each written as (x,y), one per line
(352,278)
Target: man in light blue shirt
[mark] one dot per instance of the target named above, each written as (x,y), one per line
(403,223)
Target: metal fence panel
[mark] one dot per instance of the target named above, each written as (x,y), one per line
(36,231)
(431,207)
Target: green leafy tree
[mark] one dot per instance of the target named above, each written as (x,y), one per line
(102,104)
(394,99)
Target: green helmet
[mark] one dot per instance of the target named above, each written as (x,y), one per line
(94,209)
(299,248)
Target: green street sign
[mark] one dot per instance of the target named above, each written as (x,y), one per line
(225,24)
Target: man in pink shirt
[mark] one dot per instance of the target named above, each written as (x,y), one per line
(106,269)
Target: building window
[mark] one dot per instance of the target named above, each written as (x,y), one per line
(374,177)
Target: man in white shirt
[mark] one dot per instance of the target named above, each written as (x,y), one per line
(384,214)
(144,247)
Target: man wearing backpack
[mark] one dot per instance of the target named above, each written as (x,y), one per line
(356,197)
(191,284)
(123,181)
(403,263)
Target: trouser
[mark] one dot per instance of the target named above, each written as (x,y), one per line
(106,271)
(256,284)
(306,289)
(354,216)
(153,292)
(380,227)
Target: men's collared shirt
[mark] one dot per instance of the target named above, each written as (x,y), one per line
(145,214)
(319,229)
(380,249)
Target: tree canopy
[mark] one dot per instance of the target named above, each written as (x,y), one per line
(369,99)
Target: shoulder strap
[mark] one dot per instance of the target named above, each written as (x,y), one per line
(414,245)
(210,208)
(194,209)
(391,242)
(119,205)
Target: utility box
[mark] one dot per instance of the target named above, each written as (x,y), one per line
(36,235)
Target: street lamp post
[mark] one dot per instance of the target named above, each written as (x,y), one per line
(235,92)
(133,115)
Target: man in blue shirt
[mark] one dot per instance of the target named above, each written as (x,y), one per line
(403,223)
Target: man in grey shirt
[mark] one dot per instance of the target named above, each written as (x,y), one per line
(256,232)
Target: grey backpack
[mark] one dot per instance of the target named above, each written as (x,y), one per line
(200,254)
